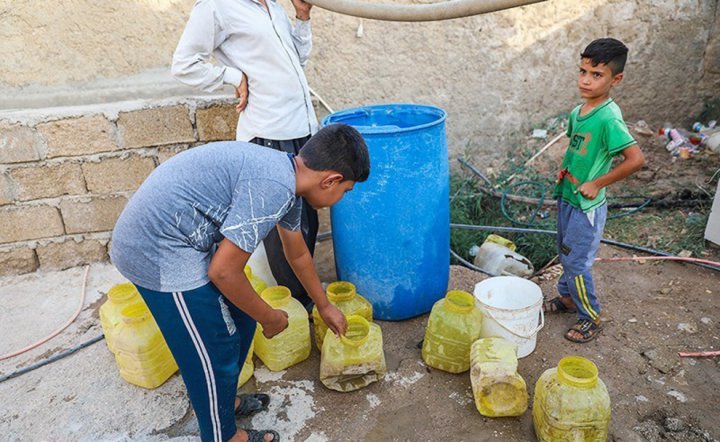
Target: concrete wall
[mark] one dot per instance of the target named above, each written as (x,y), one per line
(67,172)
(495,74)
(65,177)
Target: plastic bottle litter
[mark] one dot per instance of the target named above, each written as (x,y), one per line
(355,360)
(141,353)
(678,142)
(697,139)
(343,295)
(699,127)
(497,256)
(676,138)
(571,403)
(497,387)
(455,323)
(713,142)
(540,133)
(290,346)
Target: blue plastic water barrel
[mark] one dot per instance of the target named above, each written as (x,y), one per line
(391,234)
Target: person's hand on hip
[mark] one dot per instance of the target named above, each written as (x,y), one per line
(241,93)
(302,9)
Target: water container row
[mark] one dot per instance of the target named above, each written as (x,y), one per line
(141,353)
(453,343)
(348,362)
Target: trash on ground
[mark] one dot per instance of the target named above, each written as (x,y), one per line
(540,133)
(700,354)
(642,128)
(497,256)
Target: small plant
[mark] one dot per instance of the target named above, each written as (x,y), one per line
(471,206)
(711,110)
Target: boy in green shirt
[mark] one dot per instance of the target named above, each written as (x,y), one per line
(597,133)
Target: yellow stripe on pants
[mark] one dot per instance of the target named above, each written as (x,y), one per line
(582,292)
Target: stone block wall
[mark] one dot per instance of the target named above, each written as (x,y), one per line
(66,174)
(497,75)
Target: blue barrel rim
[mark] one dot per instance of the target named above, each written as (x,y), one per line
(379,131)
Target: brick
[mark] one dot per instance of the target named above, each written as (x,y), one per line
(155,127)
(216,123)
(48,181)
(20,223)
(71,253)
(7,190)
(117,174)
(91,214)
(19,144)
(164,153)
(17,261)
(78,136)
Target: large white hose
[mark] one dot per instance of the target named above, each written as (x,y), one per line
(443,10)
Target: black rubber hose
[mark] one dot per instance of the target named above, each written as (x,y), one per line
(326,235)
(51,359)
(468,264)
(553,232)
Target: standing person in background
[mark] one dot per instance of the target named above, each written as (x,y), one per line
(261,54)
(597,134)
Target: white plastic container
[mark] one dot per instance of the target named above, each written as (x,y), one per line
(512,309)
(497,256)
(713,142)
(260,266)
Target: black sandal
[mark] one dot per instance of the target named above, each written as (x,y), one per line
(587,328)
(251,404)
(259,435)
(556,305)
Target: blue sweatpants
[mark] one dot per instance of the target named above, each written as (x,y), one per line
(578,240)
(209,338)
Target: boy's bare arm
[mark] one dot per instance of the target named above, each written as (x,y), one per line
(300,260)
(633,160)
(226,272)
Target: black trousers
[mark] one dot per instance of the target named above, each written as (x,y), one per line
(279,266)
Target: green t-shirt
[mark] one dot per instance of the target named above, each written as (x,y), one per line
(595,139)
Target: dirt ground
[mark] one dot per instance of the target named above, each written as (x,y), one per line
(663,174)
(681,193)
(656,310)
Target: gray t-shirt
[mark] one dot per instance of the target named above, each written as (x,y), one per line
(165,237)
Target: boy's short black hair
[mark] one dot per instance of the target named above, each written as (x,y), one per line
(338,147)
(607,51)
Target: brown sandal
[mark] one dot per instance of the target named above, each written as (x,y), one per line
(587,328)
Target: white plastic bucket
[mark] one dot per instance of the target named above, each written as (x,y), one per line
(260,266)
(512,309)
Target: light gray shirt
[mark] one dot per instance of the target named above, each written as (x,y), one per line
(244,36)
(167,233)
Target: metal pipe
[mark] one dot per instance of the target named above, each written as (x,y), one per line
(412,13)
